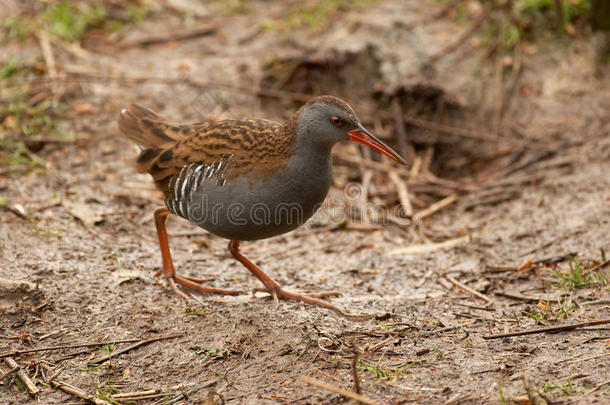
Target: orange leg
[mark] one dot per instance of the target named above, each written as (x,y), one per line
(272,286)
(168,269)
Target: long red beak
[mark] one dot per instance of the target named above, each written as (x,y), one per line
(363,136)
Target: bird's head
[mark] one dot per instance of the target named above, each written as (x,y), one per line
(326,120)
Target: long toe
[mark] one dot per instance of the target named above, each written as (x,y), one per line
(324,294)
(189,283)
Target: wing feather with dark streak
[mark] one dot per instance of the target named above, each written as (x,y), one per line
(257,146)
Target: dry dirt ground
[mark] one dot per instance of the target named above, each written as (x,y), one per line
(77,231)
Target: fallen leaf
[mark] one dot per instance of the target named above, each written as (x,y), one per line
(84,108)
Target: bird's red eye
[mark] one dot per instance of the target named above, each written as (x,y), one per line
(336,121)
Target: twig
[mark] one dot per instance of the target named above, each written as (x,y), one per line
(596,302)
(169,37)
(325,374)
(60,347)
(599,356)
(338,390)
(367,176)
(462,38)
(470,290)
(399,124)
(9,373)
(185,393)
(134,394)
(22,376)
(437,206)
(403,193)
(133,346)
(548,329)
(70,389)
(522,297)
(47,53)
(355,377)
(416,166)
(498,109)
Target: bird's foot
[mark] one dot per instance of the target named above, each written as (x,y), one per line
(278,293)
(193,284)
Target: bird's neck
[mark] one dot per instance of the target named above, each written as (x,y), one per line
(309,156)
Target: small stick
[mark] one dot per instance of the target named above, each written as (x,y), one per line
(367,176)
(9,373)
(522,297)
(332,377)
(47,54)
(355,377)
(22,376)
(133,346)
(399,123)
(169,37)
(125,395)
(437,206)
(403,193)
(338,390)
(70,389)
(185,393)
(60,347)
(548,329)
(54,376)
(415,167)
(468,289)
(599,356)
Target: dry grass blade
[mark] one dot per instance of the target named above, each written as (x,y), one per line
(133,346)
(338,390)
(548,329)
(437,206)
(70,389)
(599,356)
(66,346)
(469,290)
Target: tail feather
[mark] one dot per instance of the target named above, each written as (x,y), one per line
(146,128)
(154,133)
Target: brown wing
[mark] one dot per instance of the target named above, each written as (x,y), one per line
(256,145)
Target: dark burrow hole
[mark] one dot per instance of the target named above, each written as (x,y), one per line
(356,76)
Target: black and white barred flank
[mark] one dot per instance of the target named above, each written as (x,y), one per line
(182,187)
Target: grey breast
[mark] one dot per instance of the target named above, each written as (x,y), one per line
(250,207)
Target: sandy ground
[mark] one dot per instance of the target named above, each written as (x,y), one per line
(87,251)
